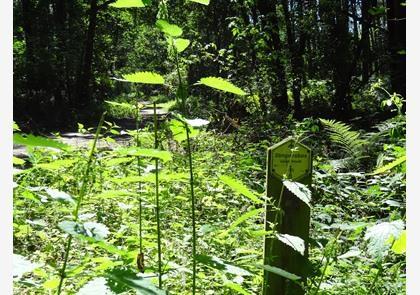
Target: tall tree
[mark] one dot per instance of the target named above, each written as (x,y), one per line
(397,43)
(270,25)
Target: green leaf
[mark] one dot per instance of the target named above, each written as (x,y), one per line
(389,166)
(204,2)
(169,29)
(93,230)
(241,219)
(32,140)
(181,44)
(165,156)
(120,104)
(15,126)
(295,242)
(51,283)
(221,84)
(18,161)
(219,264)
(299,190)
(59,195)
(399,246)
(379,235)
(179,132)
(57,164)
(127,4)
(240,188)
(279,271)
(21,265)
(145,78)
(236,287)
(122,279)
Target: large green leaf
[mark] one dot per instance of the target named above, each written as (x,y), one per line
(22,265)
(127,4)
(181,44)
(390,165)
(240,188)
(179,132)
(57,164)
(400,244)
(221,84)
(295,242)
(379,235)
(93,230)
(299,190)
(32,140)
(122,279)
(144,78)
(59,195)
(224,266)
(169,29)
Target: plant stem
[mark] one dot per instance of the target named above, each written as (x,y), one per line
(192,206)
(139,174)
(157,197)
(82,194)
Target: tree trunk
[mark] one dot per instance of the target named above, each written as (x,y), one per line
(270,24)
(84,86)
(397,44)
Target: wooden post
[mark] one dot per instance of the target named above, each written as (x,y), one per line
(294,160)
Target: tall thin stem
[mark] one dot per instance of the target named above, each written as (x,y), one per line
(140,218)
(194,239)
(157,197)
(82,194)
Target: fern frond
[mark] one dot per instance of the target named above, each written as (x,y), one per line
(341,134)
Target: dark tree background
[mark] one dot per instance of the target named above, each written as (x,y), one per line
(305,58)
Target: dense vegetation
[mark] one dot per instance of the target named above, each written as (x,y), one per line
(178,206)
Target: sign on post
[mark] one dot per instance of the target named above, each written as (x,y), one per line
(286,214)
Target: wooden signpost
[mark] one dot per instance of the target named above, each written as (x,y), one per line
(286,214)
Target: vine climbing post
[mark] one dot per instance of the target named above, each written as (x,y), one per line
(287,215)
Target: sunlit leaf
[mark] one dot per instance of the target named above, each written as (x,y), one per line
(400,244)
(179,132)
(55,165)
(96,286)
(238,187)
(114,194)
(93,230)
(59,195)
(32,140)
(204,2)
(390,166)
(379,234)
(127,4)
(18,161)
(144,78)
(221,84)
(299,190)
(295,242)
(169,29)
(22,265)
(181,44)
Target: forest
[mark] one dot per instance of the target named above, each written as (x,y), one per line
(209,147)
